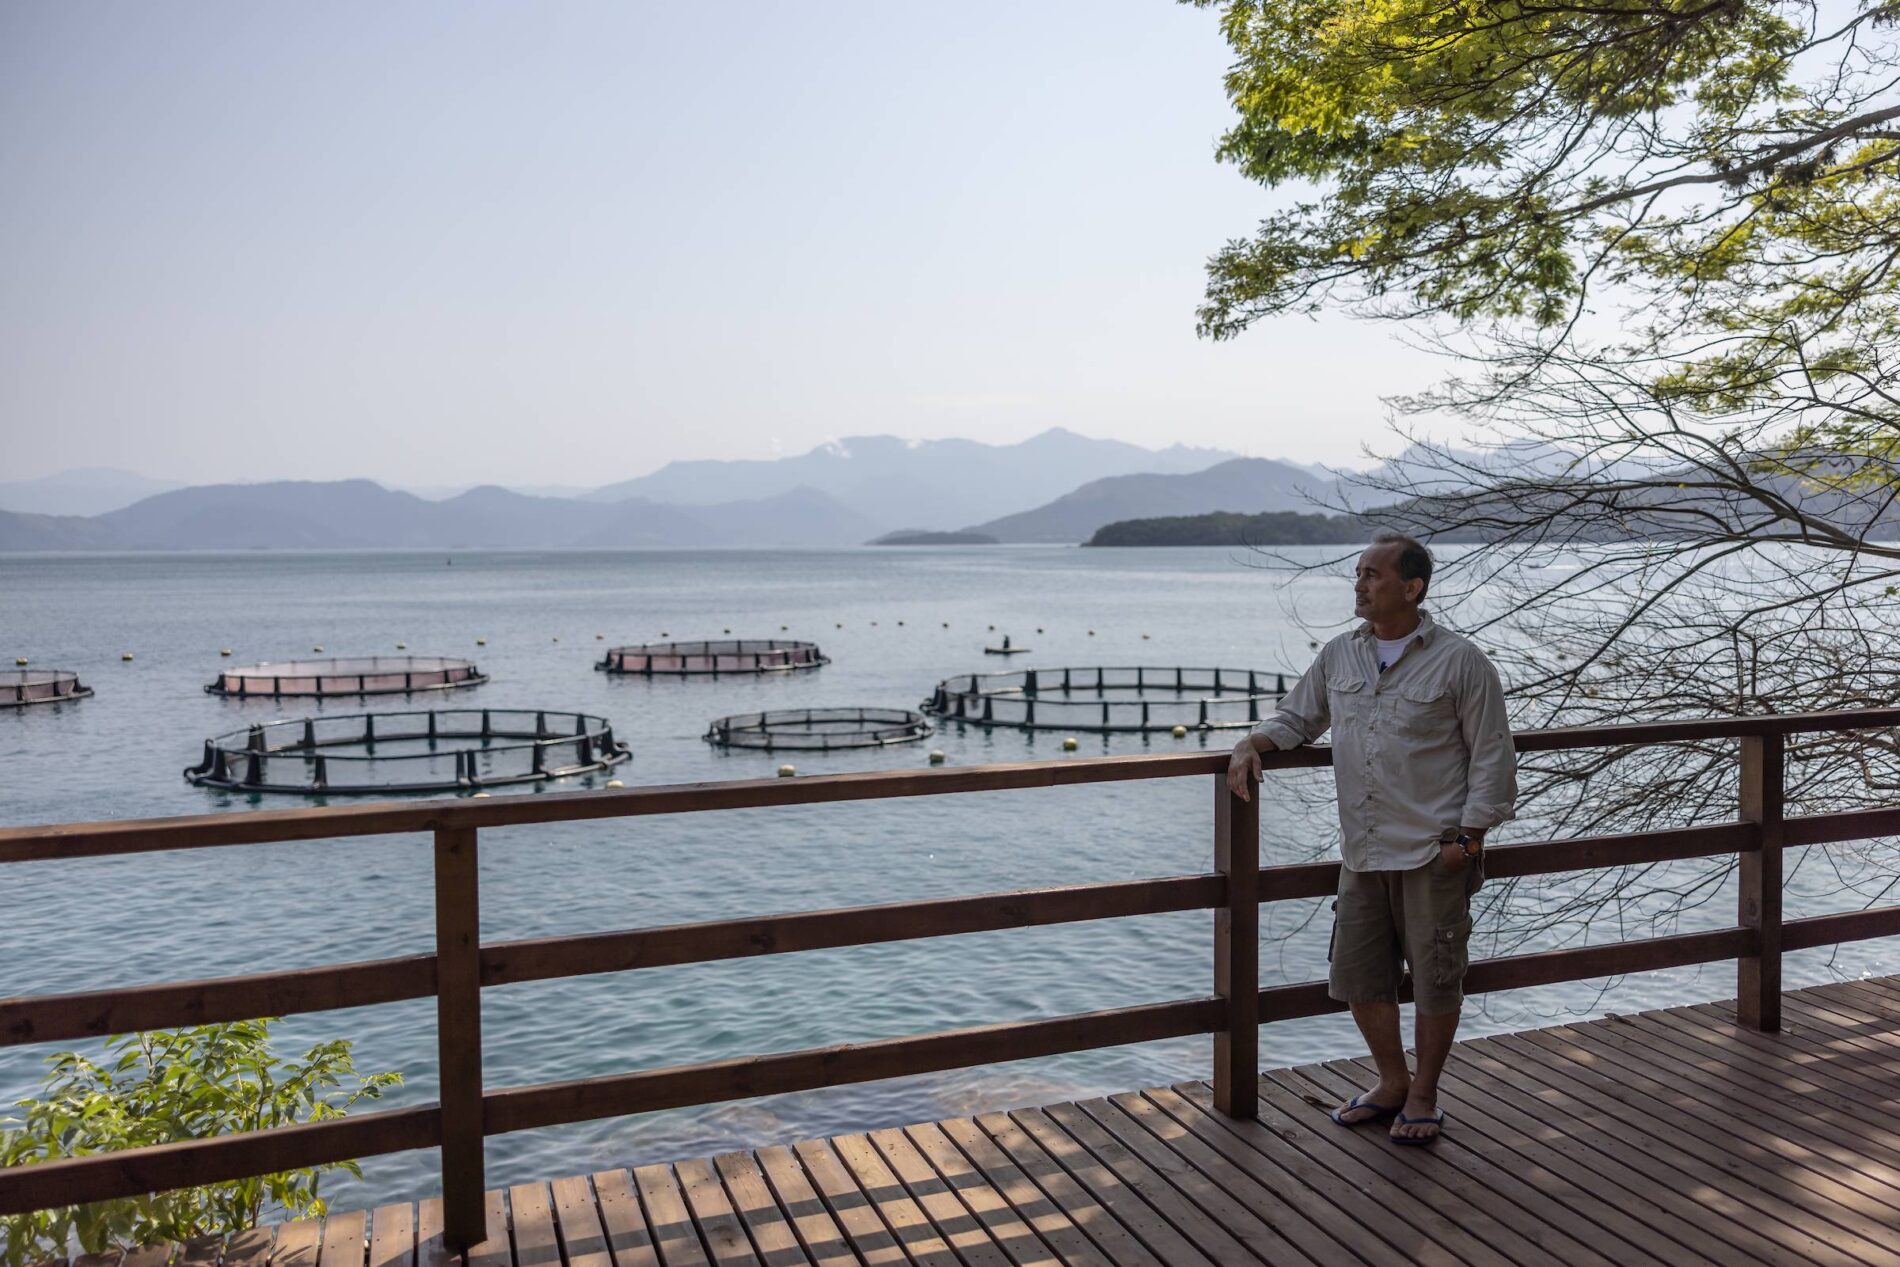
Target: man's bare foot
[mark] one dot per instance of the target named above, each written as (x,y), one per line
(1371,1106)
(1419,1119)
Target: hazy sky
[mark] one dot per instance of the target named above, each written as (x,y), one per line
(567,242)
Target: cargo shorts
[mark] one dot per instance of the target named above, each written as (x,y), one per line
(1386,920)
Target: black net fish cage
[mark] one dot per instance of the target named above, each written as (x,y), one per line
(360,675)
(818,729)
(1135,700)
(441,750)
(693,659)
(21,687)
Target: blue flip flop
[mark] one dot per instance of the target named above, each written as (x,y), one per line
(1379,1111)
(1435,1118)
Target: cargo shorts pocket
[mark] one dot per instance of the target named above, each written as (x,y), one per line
(1451,953)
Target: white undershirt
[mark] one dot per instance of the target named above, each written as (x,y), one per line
(1389,650)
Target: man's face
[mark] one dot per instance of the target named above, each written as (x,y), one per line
(1379,593)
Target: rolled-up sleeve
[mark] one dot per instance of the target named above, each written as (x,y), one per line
(1491,787)
(1303,714)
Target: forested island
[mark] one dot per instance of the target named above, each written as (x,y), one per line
(1227,528)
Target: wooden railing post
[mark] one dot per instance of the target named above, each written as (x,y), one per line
(458,1027)
(1758,976)
(1237,951)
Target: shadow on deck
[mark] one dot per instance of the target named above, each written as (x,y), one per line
(1663,1138)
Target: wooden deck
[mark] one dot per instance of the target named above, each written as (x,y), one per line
(1658,1139)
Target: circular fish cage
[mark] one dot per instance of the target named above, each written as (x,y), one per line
(440,750)
(1141,700)
(360,675)
(711,659)
(22,687)
(818,729)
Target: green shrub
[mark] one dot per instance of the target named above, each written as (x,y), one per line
(166,1086)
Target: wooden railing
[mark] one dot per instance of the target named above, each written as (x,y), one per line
(461,966)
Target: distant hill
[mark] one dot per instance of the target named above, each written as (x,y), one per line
(944,483)
(90,490)
(1247,485)
(361,514)
(28,533)
(1224,528)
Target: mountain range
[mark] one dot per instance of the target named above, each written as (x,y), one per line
(1056,486)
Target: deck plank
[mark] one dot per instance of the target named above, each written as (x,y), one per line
(803,1208)
(345,1240)
(629,1238)
(1083,1211)
(1669,1138)
(719,1227)
(392,1236)
(856,1214)
(577,1220)
(973,1239)
(770,1229)
(964,1156)
(536,1242)
(297,1244)
(906,1219)
(674,1233)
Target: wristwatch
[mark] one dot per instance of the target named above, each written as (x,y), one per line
(1470,845)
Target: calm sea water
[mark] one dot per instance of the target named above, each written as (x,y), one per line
(893,621)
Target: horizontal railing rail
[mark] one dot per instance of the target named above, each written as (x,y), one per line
(461,967)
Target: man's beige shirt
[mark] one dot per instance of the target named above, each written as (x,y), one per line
(1421,747)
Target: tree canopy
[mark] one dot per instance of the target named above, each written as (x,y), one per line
(1713,181)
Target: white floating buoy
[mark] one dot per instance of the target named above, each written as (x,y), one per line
(402,646)
(1069,744)
(936,756)
(615,783)
(787,771)
(481,642)
(1179,732)
(225,652)
(318,647)
(19,659)
(126,656)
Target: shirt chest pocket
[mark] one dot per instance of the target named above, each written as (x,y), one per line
(1425,710)
(1346,698)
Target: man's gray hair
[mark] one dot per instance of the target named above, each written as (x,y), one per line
(1415,561)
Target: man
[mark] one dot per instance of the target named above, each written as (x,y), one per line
(1423,761)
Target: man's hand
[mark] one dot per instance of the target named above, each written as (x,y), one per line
(1244,770)
(1453,855)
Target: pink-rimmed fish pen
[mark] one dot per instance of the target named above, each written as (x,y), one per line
(713,658)
(346,676)
(22,687)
